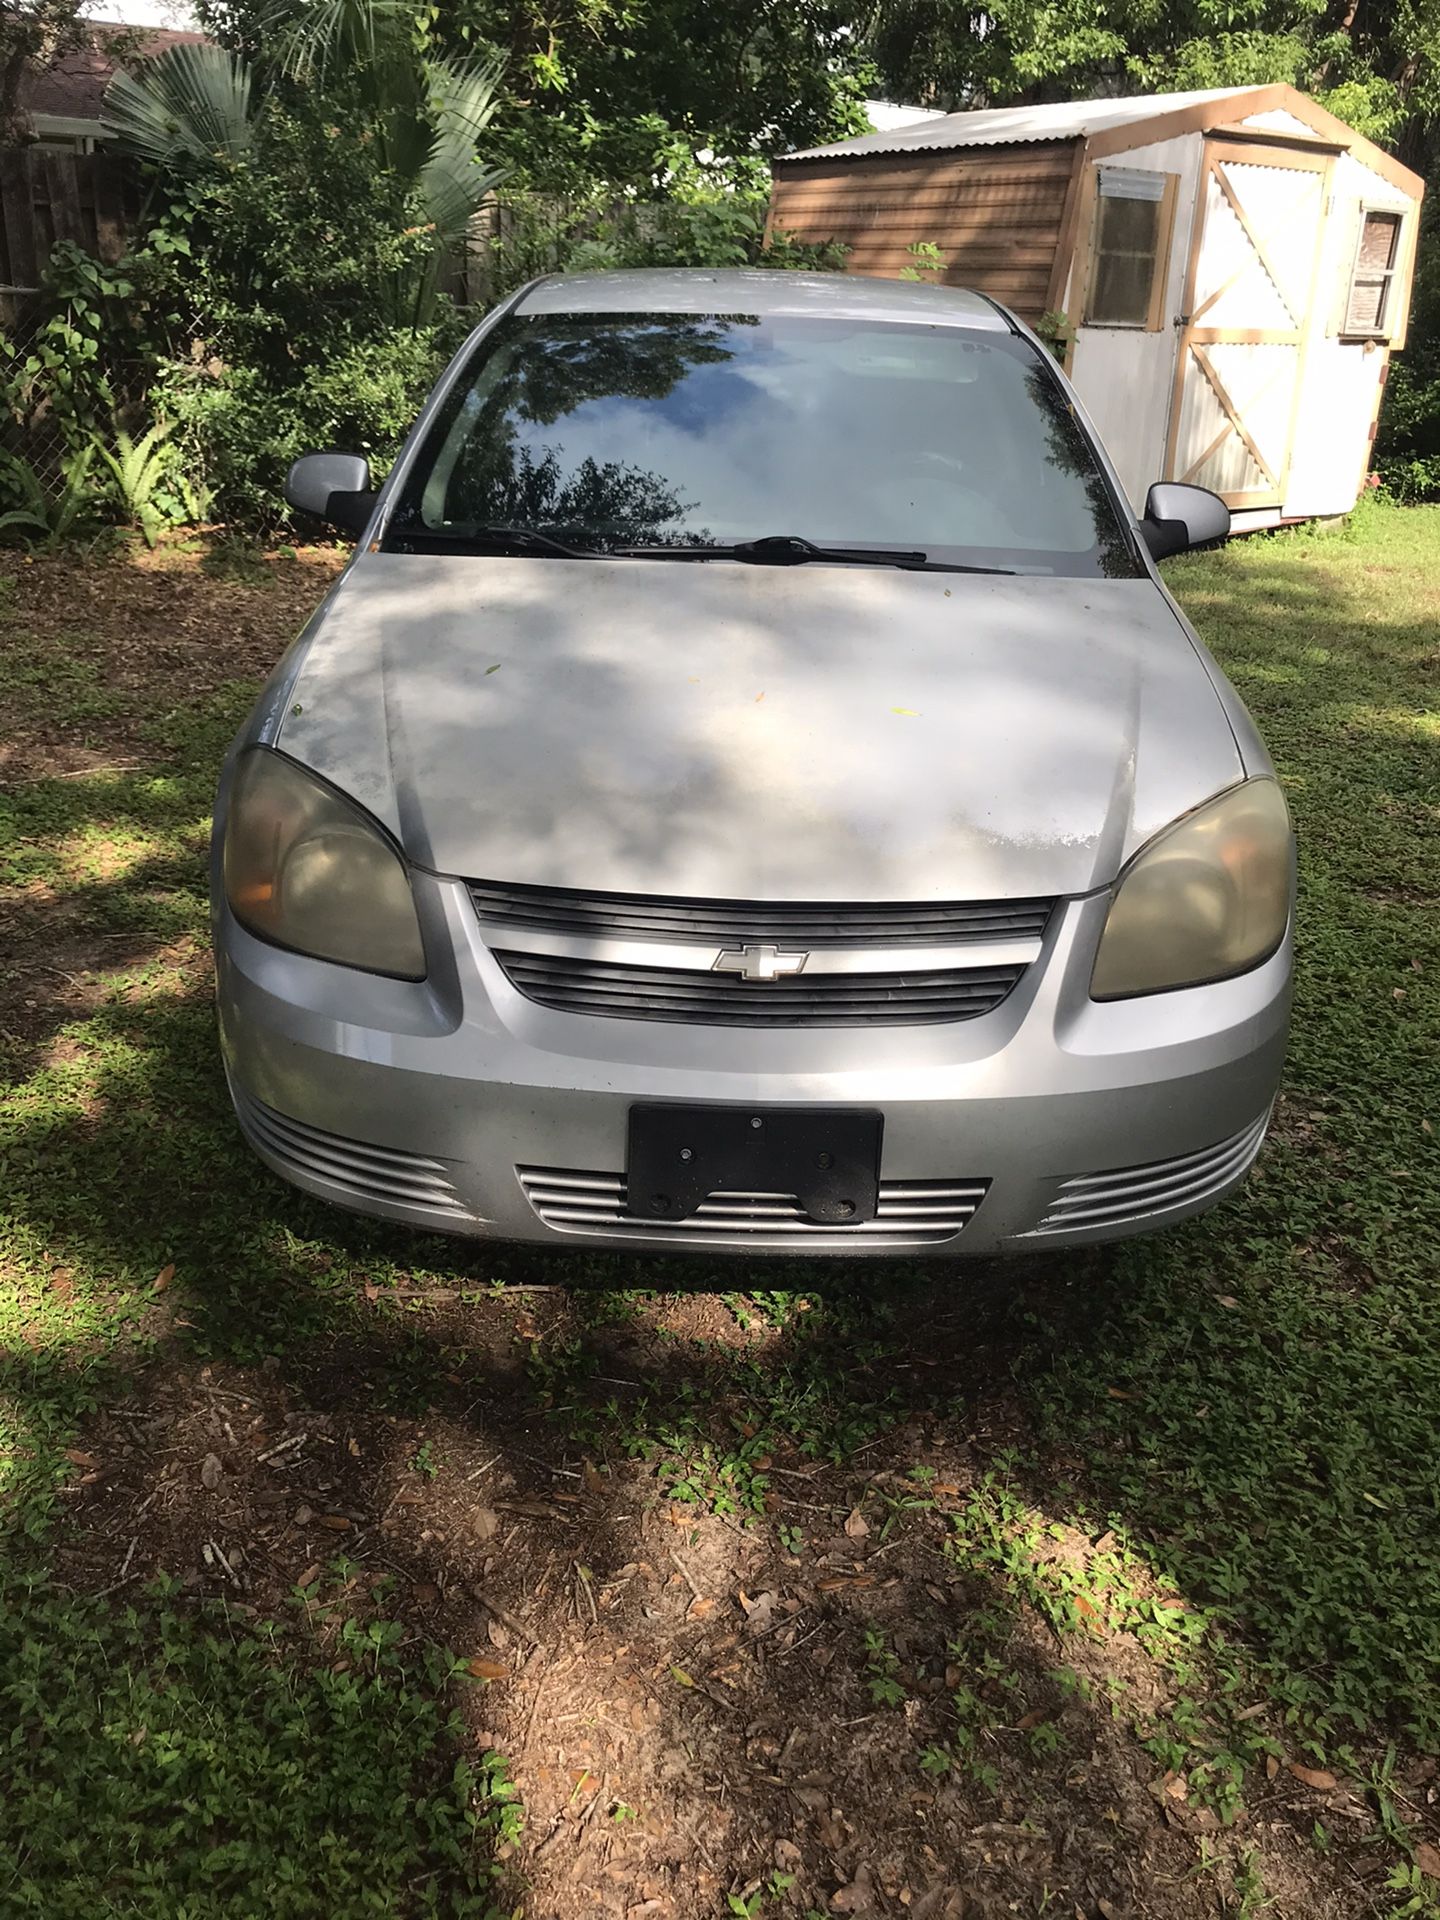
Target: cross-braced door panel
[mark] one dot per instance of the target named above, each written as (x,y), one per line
(1252,277)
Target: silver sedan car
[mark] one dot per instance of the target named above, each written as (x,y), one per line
(751,791)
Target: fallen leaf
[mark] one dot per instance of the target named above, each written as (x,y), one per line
(1119,1393)
(679,1675)
(1087,1610)
(482,1669)
(858,1897)
(594,1479)
(856,1525)
(1177,1787)
(309,1576)
(700,1609)
(906,713)
(1427,1859)
(353,1447)
(211,1472)
(842,1583)
(335,1522)
(1034,1718)
(1228,1300)
(1315,1777)
(61,1285)
(163,1278)
(759,1611)
(486,1522)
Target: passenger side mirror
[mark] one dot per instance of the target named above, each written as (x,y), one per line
(334,487)
(1178,517)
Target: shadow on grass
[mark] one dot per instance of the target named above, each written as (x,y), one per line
(1247,1404)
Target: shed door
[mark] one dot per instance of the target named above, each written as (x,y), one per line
(1252,277)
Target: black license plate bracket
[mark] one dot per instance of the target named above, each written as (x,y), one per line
(829,1158)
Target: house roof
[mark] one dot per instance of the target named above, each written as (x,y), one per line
(1009,126)
(72,87)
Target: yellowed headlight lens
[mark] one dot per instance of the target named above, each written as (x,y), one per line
(308,869)
(1206,899)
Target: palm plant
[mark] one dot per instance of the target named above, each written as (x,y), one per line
(192,102)
(199,105)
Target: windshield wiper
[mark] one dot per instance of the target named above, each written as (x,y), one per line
(794,550)
(491,540)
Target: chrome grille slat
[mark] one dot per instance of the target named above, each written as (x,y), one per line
(728,922)
(703,998)
(1137,1193)
(388,1176)
(920,1212)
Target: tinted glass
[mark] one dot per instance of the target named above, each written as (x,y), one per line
(608,431)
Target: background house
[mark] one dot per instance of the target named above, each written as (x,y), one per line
(60,103)
(1233,268)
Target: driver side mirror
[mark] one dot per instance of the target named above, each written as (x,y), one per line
(1178,517)
(334,487)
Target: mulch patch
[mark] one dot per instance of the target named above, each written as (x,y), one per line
(683,1702)
(165,626)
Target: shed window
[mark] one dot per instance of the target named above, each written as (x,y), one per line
(1133,213)
(1367,308)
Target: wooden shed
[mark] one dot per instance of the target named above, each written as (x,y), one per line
(1233,268)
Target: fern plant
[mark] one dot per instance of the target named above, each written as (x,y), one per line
(56,520)
(140,468)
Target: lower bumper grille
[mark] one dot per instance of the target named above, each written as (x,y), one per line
(715,1000)
(369,1175)
(1134,1193)
(911,1212)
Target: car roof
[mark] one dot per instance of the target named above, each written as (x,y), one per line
(762,290)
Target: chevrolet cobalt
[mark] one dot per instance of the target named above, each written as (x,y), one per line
(751,790)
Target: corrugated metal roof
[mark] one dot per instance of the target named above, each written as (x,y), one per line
(1007,126)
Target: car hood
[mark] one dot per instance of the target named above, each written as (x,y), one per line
(754,732)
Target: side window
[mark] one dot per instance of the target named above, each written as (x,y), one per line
(1372,275)
(1130,248)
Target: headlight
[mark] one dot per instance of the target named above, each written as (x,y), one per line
(308,869)
(1206,899)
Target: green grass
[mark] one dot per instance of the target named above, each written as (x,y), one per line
(1246,1408)
(160,1763)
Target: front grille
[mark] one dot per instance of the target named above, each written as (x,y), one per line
(1134,1193)
(369,1175)
(911,1212)
(620,916)
(582,985)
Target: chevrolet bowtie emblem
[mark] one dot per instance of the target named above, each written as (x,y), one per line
(759,961)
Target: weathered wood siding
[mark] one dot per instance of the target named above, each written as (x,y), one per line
(47,195)
(996,212)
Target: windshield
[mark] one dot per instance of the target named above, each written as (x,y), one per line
(608,431)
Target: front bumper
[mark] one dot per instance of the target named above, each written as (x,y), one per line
(457,1104)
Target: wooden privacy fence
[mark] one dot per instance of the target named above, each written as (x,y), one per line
(48,195)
